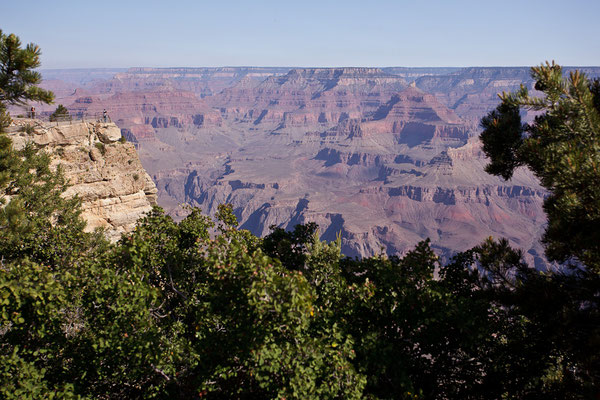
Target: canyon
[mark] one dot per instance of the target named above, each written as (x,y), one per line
(379,157)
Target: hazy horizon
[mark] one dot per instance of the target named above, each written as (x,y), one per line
(435,33)
(306,67)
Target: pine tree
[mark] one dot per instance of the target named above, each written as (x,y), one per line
(18,80)
(18,84)
(562,148)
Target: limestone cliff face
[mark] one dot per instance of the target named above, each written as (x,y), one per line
(104,172)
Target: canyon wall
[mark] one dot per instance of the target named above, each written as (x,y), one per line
(383,157)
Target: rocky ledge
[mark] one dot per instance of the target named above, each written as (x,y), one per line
(101,168)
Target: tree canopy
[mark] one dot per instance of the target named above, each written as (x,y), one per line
(562,147)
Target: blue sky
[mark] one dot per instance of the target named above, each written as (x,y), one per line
(81,34)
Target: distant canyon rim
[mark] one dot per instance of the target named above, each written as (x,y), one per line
(381,157)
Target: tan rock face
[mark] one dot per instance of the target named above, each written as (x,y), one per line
(104,172)
(107,133)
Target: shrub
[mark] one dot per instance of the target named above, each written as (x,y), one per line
(27,129)
(100,146)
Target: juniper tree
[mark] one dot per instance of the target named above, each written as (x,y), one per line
(61,113)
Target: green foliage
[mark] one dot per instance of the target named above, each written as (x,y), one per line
(34,299)
(226,217)
(562,147)
(415,335)
(60,114)
(550,324)
(290,247)
(235,322)
(20,379)
(174,311)
(101,147)
(559,311)
(18,79)
(29,129)
(501,137)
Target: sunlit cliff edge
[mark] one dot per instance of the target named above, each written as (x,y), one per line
(102,169)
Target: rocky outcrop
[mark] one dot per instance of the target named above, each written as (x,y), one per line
(103,170)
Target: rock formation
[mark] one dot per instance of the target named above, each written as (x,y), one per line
(102,170)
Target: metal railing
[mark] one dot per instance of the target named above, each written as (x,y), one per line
(65,119)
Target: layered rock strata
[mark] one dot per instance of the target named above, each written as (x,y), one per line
(308,96)
(384,157)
